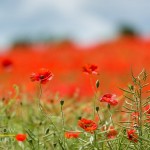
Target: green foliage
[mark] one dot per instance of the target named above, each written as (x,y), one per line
(47,123)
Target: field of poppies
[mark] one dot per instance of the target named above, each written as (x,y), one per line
(66,97)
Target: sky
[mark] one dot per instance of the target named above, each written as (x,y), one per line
(83,21)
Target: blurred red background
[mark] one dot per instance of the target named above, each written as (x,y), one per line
(65,59)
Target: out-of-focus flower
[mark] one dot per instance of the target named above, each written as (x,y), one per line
(132,135)
(7,64)
(147,109)
(43,76)
(87,125)
(110,99)
(112,133)
(90,69)
(21,137)
(72,134)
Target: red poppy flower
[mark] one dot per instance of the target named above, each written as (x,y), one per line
(147,109)
(72,134)
(90,69)
(87,125)
(132,135)
(43,76)
(110,99)
(21,137)
(6,63)
(112,133)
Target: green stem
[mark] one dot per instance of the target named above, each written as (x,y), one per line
(140,117)
(99,118)
(94,105)
(45,115)
(127,146)
(63,124)
(42,109)
(95,145)
(109,145)
(110,116)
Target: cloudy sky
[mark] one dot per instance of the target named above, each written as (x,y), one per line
(84,21)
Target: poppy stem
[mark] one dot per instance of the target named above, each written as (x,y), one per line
(140,115)
(109,145)
(63,122)
(94,105)
(95,96)
(95,144)
(47,116)
(42,109)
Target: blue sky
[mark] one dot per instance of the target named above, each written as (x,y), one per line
(84,21)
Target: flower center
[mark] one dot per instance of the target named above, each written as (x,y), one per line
(41,77)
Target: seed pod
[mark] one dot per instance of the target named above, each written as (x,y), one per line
(97,84)
(62,102)
(79,118)
(131,87)
(108,106)
(97,108)
(55,144)
(47,131)
(30,141)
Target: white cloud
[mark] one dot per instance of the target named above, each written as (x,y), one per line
(60,17)
(83,20)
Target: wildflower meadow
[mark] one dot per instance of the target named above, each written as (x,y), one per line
(75,101)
